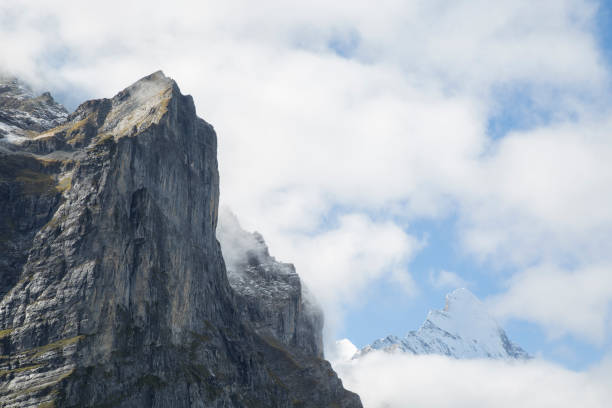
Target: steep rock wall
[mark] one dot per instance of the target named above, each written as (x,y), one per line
(118,293)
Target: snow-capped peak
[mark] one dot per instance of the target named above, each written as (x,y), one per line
(466,316)
(462,298)
(463,329)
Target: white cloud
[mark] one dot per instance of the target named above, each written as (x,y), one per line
(577,301)
(446,279)
(543,195)
(340,263)
(397,381)
(336,264)
(341,350)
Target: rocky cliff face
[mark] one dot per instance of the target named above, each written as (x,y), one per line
(270,293)
(23,114)
(114,290)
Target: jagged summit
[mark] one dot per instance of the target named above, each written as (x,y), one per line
(141,104)
(23,114)
(462,298)
(463,329)
(465,315)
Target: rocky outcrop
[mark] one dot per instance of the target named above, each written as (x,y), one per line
(270,293)
(117,292)
(22,113)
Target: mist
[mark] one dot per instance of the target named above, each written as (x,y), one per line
(399,381)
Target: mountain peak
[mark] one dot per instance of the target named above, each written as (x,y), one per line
(141,104)
(155,76)
(460,299)
(23,114)
(147,86)
(463,314)
(463,329)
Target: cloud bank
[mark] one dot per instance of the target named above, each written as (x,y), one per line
(397,381)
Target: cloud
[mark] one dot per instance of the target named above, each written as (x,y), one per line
(543,194)
(397,381)
(446,279)
(338,264)
(237,245)
(339,124)
(462,42)
(341,350)
(577,301)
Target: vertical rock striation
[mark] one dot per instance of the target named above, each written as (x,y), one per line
(114,290)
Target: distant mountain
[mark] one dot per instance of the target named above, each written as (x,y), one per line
(463,329)
(24,114)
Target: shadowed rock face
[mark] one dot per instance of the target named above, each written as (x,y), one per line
(270,293)
(114,290)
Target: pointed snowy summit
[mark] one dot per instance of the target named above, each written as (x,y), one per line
(463,329)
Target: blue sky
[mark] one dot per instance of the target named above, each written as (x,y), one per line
(377,145)
(603,30)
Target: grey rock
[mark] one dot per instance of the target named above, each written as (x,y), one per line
(114,289)
(22,113)
(270,293)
